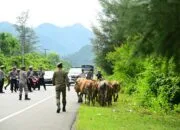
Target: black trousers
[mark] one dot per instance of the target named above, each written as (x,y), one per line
(1,85)
(30,84)
(41,82)
(14,85)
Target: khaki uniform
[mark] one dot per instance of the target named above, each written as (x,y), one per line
(23,82)
(60,80)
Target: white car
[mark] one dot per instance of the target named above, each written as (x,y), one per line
(73,74)
(48,77)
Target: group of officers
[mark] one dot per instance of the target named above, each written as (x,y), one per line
(21,80)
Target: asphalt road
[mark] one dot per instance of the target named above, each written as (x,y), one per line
(37,114)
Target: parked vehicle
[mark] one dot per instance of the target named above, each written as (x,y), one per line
(48,77)
(87,68)
(73,74)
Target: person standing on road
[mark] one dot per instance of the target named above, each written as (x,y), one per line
(30,75)
(13,79)
(18,72)
(41,78)
(99,75)
(82,75)
(60,80)
(23,83)
(2,75)
(90,74)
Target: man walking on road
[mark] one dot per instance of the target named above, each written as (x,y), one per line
(60,80)
(23,83)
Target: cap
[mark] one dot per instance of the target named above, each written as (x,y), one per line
(59,64)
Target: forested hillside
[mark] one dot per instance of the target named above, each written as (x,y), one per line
(84,56)
(138,44)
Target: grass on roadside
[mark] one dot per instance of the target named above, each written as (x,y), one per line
(124,115)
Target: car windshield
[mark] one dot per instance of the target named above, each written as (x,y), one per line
(75,71)
(48,74)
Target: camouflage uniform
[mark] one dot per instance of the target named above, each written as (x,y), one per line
(23,84)
(30,75)
(60,80)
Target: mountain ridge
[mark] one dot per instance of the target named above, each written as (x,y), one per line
(63,40)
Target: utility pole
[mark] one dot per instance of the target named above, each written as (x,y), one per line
(23,40)
(45,51)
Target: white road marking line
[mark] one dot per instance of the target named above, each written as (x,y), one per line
(18,112)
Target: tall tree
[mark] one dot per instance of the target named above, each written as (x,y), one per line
(27,36)
(9,45)
(156,22)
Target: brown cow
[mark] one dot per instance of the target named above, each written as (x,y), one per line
(116,89)
(88,88)
(79,88)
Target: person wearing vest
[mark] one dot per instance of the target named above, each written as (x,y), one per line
(60,80)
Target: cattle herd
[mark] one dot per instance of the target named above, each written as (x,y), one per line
(93,91)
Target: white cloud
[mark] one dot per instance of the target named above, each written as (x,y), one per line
(59,12)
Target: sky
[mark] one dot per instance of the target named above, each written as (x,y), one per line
(59,12)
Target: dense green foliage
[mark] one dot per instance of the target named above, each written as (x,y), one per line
(8,44)
(138,44)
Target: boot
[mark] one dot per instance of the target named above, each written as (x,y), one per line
(58,109)
(64,107)
(45,88)
(26,97)
(20,96)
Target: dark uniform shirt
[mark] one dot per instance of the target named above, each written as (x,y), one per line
(41,74)
(60,78)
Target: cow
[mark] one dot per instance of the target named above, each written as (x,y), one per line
(102,92)
(88,88)
(116,89)
(109,94)
(79,84)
